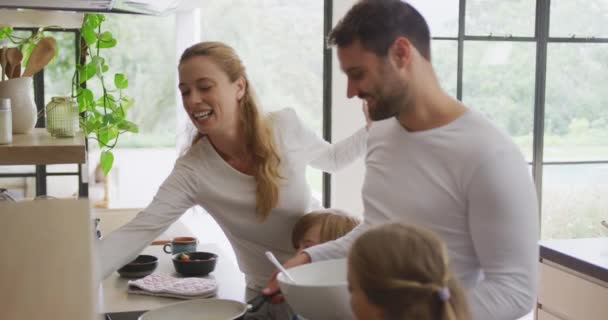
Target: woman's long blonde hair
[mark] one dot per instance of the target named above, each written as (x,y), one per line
(404,270)
(257,127)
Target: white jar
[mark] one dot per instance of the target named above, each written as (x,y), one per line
(6,122)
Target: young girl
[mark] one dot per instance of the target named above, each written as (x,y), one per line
(321,226)
(397,271)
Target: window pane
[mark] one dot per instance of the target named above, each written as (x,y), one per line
(62,186)
(17,169)
(500,18)
(576,116)
(62,168)
(445,61)
(587,18)
(20,188)
(498,80)
(574,201)
(58,74)
(283,56)
(145,53)
(441,15)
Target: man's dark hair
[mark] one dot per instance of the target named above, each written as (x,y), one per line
(377,23)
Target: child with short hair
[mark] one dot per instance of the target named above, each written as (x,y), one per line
(321,226)
(398,271)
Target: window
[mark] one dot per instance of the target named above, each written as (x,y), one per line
(500,18)
(502,73)
(498,80)
(281,45)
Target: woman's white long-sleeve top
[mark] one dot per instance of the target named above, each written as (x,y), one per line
(202,177)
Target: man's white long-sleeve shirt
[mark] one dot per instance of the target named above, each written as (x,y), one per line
(468,182)
(202,177)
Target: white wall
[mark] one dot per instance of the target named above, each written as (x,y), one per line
(347,117)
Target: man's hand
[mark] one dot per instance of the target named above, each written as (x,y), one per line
(273,285)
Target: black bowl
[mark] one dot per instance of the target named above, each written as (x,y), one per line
(142,266)
(199,263)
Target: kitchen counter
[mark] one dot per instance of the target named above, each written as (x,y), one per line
(114,296)
(586,256)
(573,279)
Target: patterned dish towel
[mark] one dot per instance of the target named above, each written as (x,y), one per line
(163,285)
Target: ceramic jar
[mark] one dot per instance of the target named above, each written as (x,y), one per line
(6,122)
(62,117)
(23,109)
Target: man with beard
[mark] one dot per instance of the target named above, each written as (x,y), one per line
(433,162)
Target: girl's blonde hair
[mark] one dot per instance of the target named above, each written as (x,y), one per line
(257,127)
(334,224)
(404,270)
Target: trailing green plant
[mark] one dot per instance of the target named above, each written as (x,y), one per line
(103,113)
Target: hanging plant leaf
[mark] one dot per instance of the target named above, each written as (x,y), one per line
(88,34)
(5,32)
(85,99)
(106,160)
(106,40)
(120,81)
(128,126)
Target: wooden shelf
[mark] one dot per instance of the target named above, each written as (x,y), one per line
(38,147)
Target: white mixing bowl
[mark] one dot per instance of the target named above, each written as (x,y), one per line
(320,291)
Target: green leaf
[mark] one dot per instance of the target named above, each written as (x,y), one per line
(107,118)
(106,40)
(85,99)
(5,32)
(105,134)
(87,72)
(120,81)
(106,160)
(107,44)
(106,36)
(92,20)
(109,100)
(126,102)
(128,126)
(102,138)
(97,63)
(88,34)
(92,123)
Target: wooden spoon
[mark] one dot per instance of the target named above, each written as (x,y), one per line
(42,53)
(13,59)
(3,61)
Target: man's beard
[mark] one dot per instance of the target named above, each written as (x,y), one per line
(390,94)
(389,104)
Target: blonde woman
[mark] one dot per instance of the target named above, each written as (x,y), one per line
(321,226)
(398,272)
(246,168)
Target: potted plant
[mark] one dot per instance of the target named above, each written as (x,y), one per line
(103,112)
(17,85)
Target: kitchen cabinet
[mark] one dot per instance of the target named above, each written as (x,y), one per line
(46,254)
(541,315)
(573,280)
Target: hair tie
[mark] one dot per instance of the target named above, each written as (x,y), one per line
(444,294)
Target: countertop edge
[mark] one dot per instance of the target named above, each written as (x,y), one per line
(574,263)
